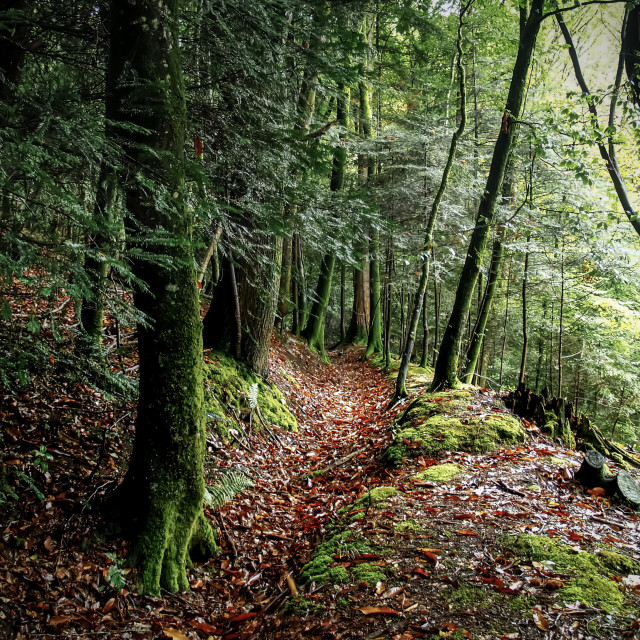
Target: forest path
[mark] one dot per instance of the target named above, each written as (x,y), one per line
(269,531)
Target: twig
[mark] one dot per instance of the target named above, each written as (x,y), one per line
(228,535)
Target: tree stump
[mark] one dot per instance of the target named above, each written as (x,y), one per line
(594,473)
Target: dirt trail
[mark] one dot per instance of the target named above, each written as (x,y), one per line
(270,531)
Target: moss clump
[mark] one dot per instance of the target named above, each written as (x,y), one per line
(230,384)
(319,569)
(591,573)
(369,573)
(616,562)
(594,591)
(442,422)
(372,498)
(409,526)
(440,472)
(301,607)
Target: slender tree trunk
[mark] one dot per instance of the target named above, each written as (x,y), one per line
(445,375)
(425,331)
(284,288)
(436,318)
(506,320)
(314,332)
(560,321)
(162,494)
(343,328)
(401,389)
(374,342)
(525,332)
(479,329)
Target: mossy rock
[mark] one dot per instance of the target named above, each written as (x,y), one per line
(440,472)
(409,526)
(442,422)
(230,384)
(591,573)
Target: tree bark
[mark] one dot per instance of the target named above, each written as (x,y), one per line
(401,389)
(445,375)
(162,495)
(314,332)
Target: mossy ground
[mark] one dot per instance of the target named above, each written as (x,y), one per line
(437,422)
(440,472)
(323,567)
(591,574)
(373,498)
(230,384)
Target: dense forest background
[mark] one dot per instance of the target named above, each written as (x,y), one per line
(330,169)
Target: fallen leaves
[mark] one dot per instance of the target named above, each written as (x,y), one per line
(370,611)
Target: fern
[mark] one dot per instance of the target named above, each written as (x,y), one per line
(230,484)
(252,396)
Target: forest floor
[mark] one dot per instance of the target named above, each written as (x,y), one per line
(508,547)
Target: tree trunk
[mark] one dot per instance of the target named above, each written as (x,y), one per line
(162,494)
(525,332)
(284,289)
(374,342)
(445,375)
(314,332)
(504,334)
(425,331)
(479,329)
(401,389)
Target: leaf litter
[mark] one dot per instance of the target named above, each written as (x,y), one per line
(440,546)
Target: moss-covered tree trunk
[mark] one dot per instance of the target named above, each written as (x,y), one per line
(161,499)
(446,369)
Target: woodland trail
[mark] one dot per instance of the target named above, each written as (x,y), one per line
(270,531)
(437,552)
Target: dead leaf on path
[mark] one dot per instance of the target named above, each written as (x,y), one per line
(368,611)
(554,584)
(466,532)
(56,621)
(110,604)
(392,592)
(597,492)
(175,634)
(422,572)
(540,620)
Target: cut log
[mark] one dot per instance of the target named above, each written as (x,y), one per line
(628,489)
(594,473)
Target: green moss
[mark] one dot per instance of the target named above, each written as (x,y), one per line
(372,498)
(319,568)
(440,472)
(594,591)
(368,572)
(591,573)
(301,607)
(466,596)
(230,385)
(408,526)
(616,562)
(442,422)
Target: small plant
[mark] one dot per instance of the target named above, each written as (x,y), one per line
(115,575)
(41,458)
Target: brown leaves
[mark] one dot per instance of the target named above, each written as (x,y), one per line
(370,611)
